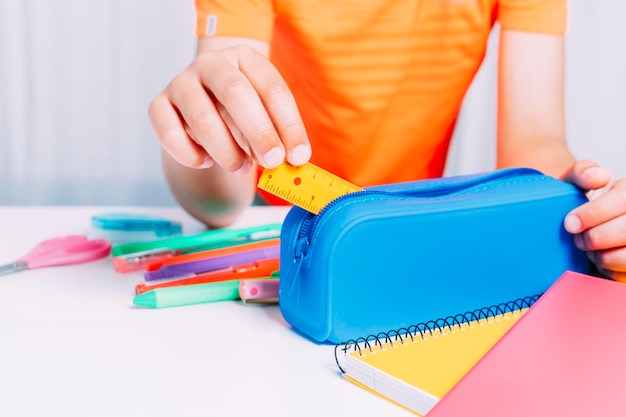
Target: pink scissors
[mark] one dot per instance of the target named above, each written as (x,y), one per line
(65,250)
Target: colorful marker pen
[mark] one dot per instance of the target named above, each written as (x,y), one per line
(135,256)
(252,270)
(209,239)
(188,294)
(212,264)
(211,253)
(138,260)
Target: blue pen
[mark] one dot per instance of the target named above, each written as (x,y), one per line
(121,227)
(212,264)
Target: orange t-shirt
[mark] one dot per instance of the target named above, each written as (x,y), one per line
(379,83)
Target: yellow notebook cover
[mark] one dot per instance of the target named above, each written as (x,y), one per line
(417,366)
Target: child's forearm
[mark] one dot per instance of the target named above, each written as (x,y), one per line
(552,157)
(213,195)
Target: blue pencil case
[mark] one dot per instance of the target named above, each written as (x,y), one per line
(400,254)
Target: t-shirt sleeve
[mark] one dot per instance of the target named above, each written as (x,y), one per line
(236,18)
(539,16)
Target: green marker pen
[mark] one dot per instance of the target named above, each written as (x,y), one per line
(188,294)
(135,256)
(208,239)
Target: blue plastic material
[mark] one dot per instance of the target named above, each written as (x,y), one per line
(121,227)
(401,254)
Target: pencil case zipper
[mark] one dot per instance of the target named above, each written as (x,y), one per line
(432,191)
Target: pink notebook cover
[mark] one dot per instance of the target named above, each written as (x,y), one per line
(565,357)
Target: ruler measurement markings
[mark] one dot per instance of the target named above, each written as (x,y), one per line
(306,186)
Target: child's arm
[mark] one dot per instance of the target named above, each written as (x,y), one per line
(531,132)
(225,113)
(531,114)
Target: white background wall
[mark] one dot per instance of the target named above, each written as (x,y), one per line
(595,94)
(76,77)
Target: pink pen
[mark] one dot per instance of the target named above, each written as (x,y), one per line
(263,290)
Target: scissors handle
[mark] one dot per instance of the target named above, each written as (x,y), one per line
(66,250)
(13,267)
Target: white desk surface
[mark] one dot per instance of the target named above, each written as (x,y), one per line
(73,344)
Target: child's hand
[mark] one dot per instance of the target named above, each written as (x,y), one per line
(230,107)
(599,226)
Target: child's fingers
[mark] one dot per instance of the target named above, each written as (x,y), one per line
(232,89)
(173,137)
(260,104)
(207,126)
(280,105)
(603,208)
(587,175)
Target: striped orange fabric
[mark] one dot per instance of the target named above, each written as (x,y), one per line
(379,83)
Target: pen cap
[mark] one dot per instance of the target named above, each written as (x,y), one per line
(258,289)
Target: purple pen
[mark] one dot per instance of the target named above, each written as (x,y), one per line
(212,264)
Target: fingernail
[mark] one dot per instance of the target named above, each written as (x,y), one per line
(207,163)
(274,157)
(572,223)
(579,242)
(593,172)
(300,155)
(244,168)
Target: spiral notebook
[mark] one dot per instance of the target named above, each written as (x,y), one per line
(565,357)
(416,366)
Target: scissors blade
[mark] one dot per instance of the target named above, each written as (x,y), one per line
(13,267)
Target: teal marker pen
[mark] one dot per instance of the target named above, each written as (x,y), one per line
(207,240)
(188,294)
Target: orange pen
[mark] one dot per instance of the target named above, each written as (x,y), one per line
(256,269)
(206,254)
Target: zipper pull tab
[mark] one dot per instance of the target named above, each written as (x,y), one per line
(302,248)
(300,252)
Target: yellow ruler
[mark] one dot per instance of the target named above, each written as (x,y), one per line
(307,186)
